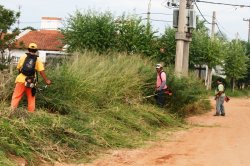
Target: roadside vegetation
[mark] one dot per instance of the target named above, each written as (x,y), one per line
(96,101)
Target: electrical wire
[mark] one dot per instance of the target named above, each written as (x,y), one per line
(208,21)
(227,4)
(202,14)
(220,30)
(33,22)
(219,24)
(156,20)
(158,13)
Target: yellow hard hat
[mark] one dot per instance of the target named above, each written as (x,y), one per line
(33,46)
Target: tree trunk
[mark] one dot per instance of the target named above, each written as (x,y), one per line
(199,71)
(2,57)
(233,84)
(209,79)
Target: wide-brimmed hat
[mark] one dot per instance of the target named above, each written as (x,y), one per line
(32,46)
(158,66)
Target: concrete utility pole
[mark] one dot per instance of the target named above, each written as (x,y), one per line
(18,21)
(213,25)
(188,39)
(237,37)
(209,72)
(248,28)
(180,37)
(148,17)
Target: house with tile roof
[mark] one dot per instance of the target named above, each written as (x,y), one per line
(49,43)
(48,40)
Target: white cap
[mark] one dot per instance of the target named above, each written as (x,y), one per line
(158,66)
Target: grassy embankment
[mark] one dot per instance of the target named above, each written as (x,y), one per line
(95,103)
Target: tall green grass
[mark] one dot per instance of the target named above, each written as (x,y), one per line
(95,103)
(238,93)
(95,82)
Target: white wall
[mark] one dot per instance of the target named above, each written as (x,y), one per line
(50,24)
(17,53)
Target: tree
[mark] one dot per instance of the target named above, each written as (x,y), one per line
(29,27)
(167,43)
(134,37)
(90,30)
(206,51)
(102,32)
(235,62)
(246,80)
(8,18)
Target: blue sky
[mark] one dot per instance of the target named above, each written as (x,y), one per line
(230,19)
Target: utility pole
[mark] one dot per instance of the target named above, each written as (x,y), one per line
(188,39)
(209,72)
(18,21)
(180,37)
(237,37)
(148,17)
(213,25)
(248,28)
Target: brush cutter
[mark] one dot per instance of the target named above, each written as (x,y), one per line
(34,90)
(41,89)
(146,97)
(167,91)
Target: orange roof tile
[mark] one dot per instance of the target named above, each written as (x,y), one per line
(45,40)
(51,18)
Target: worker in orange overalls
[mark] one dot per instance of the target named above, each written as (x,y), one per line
(28,66)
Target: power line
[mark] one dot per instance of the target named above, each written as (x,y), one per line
(219,24)
(157,20)
(208,21)
(157,13)
(202,14)
(227,4)
(31,22)
(220,30)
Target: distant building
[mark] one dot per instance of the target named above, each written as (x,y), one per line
(48,40)
(51,23)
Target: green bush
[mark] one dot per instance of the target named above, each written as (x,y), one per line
(238,93)
(3,66)
(189,95)
(186,91)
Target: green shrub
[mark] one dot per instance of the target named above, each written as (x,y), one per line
(3,66)
(238,93)
(189,94)
(186,91)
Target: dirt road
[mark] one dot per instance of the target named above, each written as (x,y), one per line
(215,141)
